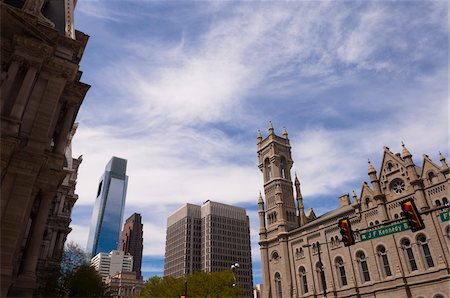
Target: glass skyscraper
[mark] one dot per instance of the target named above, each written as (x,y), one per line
(107,216)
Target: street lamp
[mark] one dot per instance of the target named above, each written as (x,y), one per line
(322,273)
(234,268)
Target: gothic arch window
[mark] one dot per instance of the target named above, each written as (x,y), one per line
(283,167)
(409,255)
(367,202)
(278,288)
(336,239)
(384,261)
(425,250)
(377,222)
(303,280)
(444,201)
(370,223)
(268,169)
(320,276)
(432,177)
(341,271)
(389,166)
(363,267)
(437,203)
(395,215)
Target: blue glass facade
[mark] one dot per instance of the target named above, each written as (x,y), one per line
(107,216)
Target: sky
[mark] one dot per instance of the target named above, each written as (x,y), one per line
(180,88)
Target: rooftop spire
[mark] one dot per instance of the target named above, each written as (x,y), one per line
(260,199)
(259,136)
(442,159)
(355,197)
(270,128)
(285,134)
(371,169)
(405,151)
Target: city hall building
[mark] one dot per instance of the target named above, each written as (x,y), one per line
(387,260)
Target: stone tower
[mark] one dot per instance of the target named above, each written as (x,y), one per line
(280,214)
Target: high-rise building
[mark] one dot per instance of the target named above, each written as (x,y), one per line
(131,240)
(209,238)
(41,94)
(107,216)
(111,263)
(302,255)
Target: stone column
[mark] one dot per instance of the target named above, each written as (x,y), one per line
(61,139)
(11,77)
(24,93)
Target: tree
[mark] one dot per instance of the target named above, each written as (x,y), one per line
(199,284)
(85,281)
(73,257)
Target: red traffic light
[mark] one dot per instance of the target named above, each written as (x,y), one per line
(346,231)
(412,215)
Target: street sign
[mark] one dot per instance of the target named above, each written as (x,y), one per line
(445,216)
(384,231)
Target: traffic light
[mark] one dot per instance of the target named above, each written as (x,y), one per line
(346,231)
(412,215)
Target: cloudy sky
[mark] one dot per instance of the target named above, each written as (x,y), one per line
(180,88)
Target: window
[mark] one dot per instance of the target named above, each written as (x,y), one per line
(381,250)
(406,245)
(283,167)
(268,168)
(395,215)
(438,296)
(341,271)
(364,268)
(389,166)
(437,203)
(398,186)
(303,280)
(278,288)
(432,177)
(423,243)
(320,276)
(445,201)
(275,255)
(367,201)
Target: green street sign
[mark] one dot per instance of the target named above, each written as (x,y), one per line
(384,231)
(445,216)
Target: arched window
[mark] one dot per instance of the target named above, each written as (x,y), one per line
(438,296)
(377,222)
(341,271)
(389,166)
(395,215)
(336,239)
(275,256)
(367,202)
(283,167)
(278,288)
(370,223)
(363,267)
(268,169)
(384,261)
(437,203)
(426,254)
(303,280)
(448,231)
(409,255)
(432,177)
(444,201)
(320,276)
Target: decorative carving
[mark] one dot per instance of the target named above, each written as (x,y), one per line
(34,7)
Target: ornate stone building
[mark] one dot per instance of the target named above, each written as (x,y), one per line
(387,260)
(41,93)
(59,214)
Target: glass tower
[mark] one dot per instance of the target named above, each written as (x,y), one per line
(107,216)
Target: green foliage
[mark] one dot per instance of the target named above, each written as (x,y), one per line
(73,257)
(84,282)
(199,284)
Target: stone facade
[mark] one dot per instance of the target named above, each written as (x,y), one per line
(57,227)
(41,93)
(400,264)
(124,285)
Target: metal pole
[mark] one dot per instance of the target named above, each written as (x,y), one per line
(185,288)
(322,273)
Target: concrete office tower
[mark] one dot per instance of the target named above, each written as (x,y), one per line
(210,238)
(107,216)
(131,240)
(41,94)
(111,263)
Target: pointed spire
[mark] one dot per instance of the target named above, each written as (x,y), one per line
(285,134)
(260,199)
(355,197)
(259,136)
(371,169)
(405,151)
(270,128)
(297,188)
(442,159)
(297,182)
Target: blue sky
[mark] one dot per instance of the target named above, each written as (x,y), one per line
(179,89)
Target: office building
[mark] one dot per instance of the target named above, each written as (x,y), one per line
(387,260)
(107,216)
(131,240)
(41,94)
(209,238)
(111,263)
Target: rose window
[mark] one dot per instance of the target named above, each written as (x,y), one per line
(398,186)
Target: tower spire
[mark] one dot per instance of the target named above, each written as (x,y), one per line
(285,133)
(405,151)
(442,159)
(270,128)
(259,138)
(300,206)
